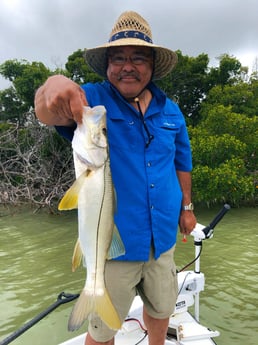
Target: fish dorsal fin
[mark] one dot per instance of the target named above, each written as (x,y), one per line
(70,199)
(116,247)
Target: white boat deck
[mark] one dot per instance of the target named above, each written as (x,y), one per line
(183,329)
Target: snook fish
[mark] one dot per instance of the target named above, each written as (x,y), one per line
(93,194)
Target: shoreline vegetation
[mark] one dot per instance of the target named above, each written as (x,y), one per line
(37,169)
(220,105)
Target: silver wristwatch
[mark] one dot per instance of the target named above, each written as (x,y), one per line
(189,207)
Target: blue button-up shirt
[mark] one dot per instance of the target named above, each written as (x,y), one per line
(145,178)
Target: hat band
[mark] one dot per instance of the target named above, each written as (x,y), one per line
(130,34)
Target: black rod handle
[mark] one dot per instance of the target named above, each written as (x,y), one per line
(61,299)
(216,219)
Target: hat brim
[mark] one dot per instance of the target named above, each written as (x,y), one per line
(165,59)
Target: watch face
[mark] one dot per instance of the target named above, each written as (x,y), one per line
(189,207)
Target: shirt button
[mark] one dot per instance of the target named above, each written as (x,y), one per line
(152,185)
(152,207)
(149,164)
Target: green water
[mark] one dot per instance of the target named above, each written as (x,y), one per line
(35,266)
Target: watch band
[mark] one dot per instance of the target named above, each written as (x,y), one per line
(189,207)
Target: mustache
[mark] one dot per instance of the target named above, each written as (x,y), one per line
(128,74)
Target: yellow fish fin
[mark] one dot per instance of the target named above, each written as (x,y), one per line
(77,256)
(116,247)
(99,304)
(107,312)
(70,199)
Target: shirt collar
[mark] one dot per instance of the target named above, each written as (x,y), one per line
(158,100)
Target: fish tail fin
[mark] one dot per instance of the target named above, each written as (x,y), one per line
(116,247)
(100,304)
(70,199)
(77,256)
(107,312)
(83,307)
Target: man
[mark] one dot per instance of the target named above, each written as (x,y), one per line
(150,165)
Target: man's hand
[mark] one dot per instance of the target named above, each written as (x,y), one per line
(60,101)
(187,222)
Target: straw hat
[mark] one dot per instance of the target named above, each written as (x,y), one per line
(131,30)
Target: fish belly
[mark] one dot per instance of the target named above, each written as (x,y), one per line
(96,224)
(94,241)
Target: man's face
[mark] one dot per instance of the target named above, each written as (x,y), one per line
(130,69)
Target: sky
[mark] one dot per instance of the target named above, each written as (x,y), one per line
(50,31)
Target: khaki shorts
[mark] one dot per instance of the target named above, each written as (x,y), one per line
(155,281)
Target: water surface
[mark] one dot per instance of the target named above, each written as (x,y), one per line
(35,266)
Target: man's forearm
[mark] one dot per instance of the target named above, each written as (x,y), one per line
(185,180)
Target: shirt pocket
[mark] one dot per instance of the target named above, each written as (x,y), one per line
(124,134)
(166,129)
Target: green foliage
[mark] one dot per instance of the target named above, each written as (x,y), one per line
(12,69)
(226,183)
(187,84)
(229,71)
(12,107)
(221,120)
(32,77)
(224,149)
(26,78)
(213,150)
(4,127)
(241,97)
(78,70)
(220,105)
(191,81)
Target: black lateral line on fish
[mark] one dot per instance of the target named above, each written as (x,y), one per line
(100,213)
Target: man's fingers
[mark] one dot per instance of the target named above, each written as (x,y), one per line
(68,101)
(83,98)
(76,107)
(78,111)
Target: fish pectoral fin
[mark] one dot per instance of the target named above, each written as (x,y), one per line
(99,304)
(77,256)
(70,199)
(116,247)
